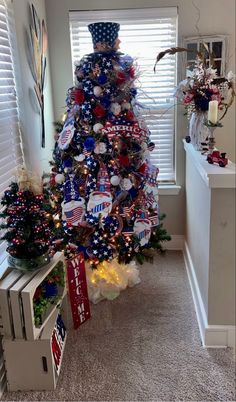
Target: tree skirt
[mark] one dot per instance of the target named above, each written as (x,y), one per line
(107,281)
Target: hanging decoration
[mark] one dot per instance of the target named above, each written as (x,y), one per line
(38,43)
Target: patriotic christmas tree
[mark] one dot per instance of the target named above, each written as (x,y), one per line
(103,186)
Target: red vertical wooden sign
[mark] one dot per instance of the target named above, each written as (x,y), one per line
(78,290)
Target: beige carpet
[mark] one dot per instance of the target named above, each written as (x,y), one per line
(143,346)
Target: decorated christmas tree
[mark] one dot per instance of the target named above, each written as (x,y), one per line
(27,223)
(103,186)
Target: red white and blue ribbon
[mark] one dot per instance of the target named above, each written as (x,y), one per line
(66,136)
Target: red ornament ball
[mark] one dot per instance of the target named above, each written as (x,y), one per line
(121,78)
(124,160)
(130,115)
(78,95)
(99,111)
(143,168)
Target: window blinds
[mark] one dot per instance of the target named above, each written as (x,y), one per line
(143,34)
(10,140)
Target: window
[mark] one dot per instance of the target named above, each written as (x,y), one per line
(217,46)
(10,140)
(143,33)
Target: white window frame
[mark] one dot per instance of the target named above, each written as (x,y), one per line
(124,16)
(209,39)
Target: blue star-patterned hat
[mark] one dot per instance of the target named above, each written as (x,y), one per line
(104,32)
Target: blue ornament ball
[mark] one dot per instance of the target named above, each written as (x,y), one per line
(89,144)
(102,79)
(105,101)
(50,290)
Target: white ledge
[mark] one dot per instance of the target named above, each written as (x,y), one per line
(168,189)
(213,175)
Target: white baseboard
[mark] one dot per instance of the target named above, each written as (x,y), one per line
(176,243)
(212,336)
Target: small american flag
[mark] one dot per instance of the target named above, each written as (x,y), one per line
(74,216)
(154,219)
(128,233)
(128,210)
(100,207)
(152,175)
(150,199)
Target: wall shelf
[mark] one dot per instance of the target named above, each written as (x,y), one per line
(213,175)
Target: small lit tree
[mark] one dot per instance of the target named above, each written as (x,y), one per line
(27,226)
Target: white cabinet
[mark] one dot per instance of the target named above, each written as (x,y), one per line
(33,352)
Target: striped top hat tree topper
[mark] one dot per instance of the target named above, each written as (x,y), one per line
(104,33)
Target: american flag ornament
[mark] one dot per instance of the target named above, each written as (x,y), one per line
(152,175)
(66,136)
(155,220)
(127,232)
(73,211)
(151,187)
(100,203)
(152,196)
(142,228)
(128,211)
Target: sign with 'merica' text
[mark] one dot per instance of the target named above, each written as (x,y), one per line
(78,290)
(114,130)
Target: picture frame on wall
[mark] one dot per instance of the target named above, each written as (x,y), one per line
(217,45)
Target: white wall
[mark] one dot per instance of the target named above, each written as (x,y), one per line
(198,205)
(221,306)
(36,157)
(217,17)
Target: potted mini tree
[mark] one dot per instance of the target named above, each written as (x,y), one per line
(27,223)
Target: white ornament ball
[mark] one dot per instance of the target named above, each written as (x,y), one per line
(102,147)
(126,184)
(115,180)
(126,106)
(80,158)
(97,91)
(115,108)
(97,127)
(59,178)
